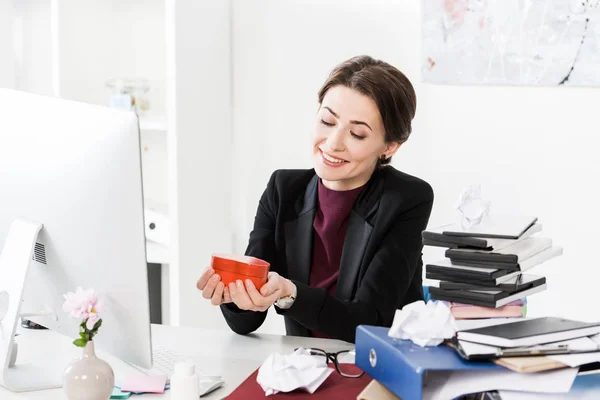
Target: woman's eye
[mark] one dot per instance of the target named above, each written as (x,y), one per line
(357,136)
(326,123)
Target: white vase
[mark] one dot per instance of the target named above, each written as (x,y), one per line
(88,377)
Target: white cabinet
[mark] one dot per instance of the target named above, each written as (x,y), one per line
(71,48)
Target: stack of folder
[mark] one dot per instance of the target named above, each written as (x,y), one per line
(485,264)
(486,356)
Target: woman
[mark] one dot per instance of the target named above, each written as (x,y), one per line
(344,238)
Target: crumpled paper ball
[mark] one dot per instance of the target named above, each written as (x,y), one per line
(472,208)
(288,372)
(424,324)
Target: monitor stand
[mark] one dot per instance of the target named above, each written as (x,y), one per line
(14,263)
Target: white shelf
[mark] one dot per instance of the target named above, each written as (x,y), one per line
(156,253)
(153,123)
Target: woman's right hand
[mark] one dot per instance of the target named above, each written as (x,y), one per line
(212,288)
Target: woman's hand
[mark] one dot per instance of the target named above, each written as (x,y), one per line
(212,288)
(247,297)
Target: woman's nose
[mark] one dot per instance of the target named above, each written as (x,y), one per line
(335,141)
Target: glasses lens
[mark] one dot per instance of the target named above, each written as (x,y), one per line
(346,357)
(349,370)
(345,364)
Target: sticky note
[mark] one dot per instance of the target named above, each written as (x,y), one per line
(118,394)
(145,384)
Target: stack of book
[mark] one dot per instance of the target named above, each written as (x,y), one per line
(485,264)
(533,345)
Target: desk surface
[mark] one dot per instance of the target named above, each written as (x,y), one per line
(217,352)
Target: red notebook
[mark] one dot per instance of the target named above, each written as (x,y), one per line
(335,387)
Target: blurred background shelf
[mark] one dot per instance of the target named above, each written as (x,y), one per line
(157,123)
(156,253)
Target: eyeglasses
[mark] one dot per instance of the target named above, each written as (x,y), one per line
(342,360)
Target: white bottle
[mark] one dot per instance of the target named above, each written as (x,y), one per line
(184,382)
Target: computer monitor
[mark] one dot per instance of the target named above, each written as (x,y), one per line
(72,172)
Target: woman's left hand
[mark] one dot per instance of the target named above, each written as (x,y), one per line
(247,297)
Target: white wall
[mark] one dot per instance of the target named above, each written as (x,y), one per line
(533,149)
(199,82)
(33,34)
(7,66)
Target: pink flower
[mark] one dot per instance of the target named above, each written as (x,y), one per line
(82,304)
(91,321)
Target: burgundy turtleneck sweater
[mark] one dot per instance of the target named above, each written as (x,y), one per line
(330,225)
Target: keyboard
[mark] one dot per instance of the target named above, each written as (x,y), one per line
(164,360)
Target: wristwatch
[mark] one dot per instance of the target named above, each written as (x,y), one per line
(286,302)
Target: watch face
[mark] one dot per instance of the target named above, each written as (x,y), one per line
(285,302)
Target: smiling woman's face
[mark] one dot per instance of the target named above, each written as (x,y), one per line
(349,139)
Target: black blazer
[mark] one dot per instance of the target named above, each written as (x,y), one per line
(381,265)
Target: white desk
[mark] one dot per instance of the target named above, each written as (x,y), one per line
(223,353)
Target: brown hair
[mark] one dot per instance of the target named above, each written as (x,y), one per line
(386,85)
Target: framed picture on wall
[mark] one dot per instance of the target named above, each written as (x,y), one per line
(511,42)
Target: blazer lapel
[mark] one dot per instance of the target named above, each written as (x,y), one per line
(359,231)
(357,237)
(299,235)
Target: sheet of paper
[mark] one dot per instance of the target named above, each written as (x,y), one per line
(584,343)
(584,388)
(313,386)
(476,348)
(572,360)
(457,383)
(576,360)
(465,324)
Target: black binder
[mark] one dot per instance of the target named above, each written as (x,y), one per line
(518,251)
(441,240)
(444,267)
(529,332)
(457,254)
(501,227)
(493,299)
(486,264)
(520,282)
(475,281)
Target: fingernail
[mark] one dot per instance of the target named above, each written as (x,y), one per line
(239,283)
(232,286)
(249,282)
(215,278)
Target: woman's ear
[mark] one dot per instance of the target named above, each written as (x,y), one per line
(391,149)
